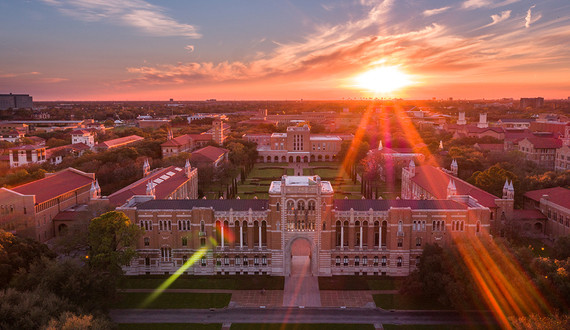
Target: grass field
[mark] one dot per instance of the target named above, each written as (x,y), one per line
(293,326)
(225,282)
(350,282)
(410,302)
(173,300)
(169,326)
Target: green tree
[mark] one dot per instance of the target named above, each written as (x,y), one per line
(493,179)
(109,122)
(19,253)
(70,321)
(112,239)
(561,250)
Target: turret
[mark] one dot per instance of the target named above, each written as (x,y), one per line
(440,145)
(412,168)
(93,191)
(146,168)
(505,189)
(454,167)
(511,191)
(451,189)
(187,168)
(483,121)
(150,188)
(380,147)
(461,120)
(169,135)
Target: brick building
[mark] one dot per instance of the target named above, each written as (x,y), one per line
(260,236)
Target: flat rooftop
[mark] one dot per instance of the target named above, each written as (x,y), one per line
(300,181)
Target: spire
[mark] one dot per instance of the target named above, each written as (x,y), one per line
(412,164)
(380,147)
(440,145)
(146,168)
(187,168)
(454,167)
(150,188)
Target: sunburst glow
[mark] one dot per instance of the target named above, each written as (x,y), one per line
(383,79)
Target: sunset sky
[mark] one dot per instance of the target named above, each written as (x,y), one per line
(297,49)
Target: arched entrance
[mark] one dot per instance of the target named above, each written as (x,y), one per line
(290,159)
(538,227)
(305,159)
(298,159)
(300,257)
(62,229)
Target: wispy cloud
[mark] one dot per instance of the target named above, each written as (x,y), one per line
(16,74)
(474,4)
(189,48)
(499,18)
(432,12)
(527,19)
(146,17)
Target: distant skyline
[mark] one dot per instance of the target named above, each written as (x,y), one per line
(263,50)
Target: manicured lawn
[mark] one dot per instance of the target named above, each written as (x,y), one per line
(307,171)
(265,173)
(290,171)
(332,164)
(365,282)
(328,173)
(400,301)
(169,326)
(219,282)
(293,326)
(441,327)
(173,300)
(271,164)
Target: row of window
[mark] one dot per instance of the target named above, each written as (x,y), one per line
(558,218)
(375,261)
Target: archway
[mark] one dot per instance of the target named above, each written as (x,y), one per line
(283,159)
(538,227)
(298,160)
(320,158)
(290,159)
(276,159)
(312,158)
(269,159)
(327,158)
(301,257)
(62,229)
(305,159)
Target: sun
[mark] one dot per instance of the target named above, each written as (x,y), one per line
(383,79)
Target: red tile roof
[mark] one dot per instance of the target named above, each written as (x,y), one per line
(546,143)
(201,137)
(80,132)
(475,129)
(435,182)
(557,195)
(208,154)
(28,147)
(119,142)
(178,141)
(162,189)
(55,184)
(528,214)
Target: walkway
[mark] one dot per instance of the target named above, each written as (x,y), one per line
(301,288)
(298,167)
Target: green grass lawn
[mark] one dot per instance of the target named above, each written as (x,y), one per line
(350,282)
(265,172)
(400,301)
(441,327)
(332,164)
(290,171)
(293,326)
(260,165)
(173,300)
(328,173)
(169,326)
(219,282)
(307,171)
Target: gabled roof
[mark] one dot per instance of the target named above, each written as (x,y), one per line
(81,132)
(178,141)
(119,141)
(201,137)
(384,205)
(166,181)
(208,154)
(546,143)
(435,182)
(55,184)
(528,214)
(216,204)
(475,129)
(28,147)
(489,146)
(557,195)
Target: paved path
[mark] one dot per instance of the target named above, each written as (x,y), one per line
(301,288)
(297,315)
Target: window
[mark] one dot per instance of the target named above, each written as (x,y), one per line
(147,261)
(218,260)
(277,206)
(202,226)
(264,260)
(375,261)
(184,259)
(399,262)
(400,242)
(245,261)
(345,260)
(203,261)
(357,261)
(202,241)
(237,261)
(184,241)
(384,261)
(365,261)
(418,242)
(256,261)
(337,260)
(147,241)
(478,227)
(226,260)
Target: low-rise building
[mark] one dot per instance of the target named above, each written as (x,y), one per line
(541,151)
(27,155)
(29,209)
(117,143)
(84,136)
(554,203)
(210,156)
(562,162)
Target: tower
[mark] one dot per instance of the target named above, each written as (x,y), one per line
(461,120)
(146,168)
(483,121)
(412,168)
(218,131)
(505,189)
(380,147)
(150,188)
(511,191)
(187,168)
(169,135)
(95,190)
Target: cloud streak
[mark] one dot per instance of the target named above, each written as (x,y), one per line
(432,12)
(527,19)
(474,4)
(139,14)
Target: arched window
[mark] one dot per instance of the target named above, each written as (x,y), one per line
(263,233)
(301,205)
(256,233)
(202,226)
(357,261)
(365,261)
(384,261)
(384,232)
(345,260)
(345,236)
(311,205)
(400,225)
(244,232)
(324,225)
(357,233)
(337,260)
(237,261)
(203,261)
(338,233)
(376,233)
(462,224)
(375,261)
(236,233)
(290,206)
(219,233)
(226,260)
(399,262)
(277,206)
(478,227)
(418,242)
(365,233)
